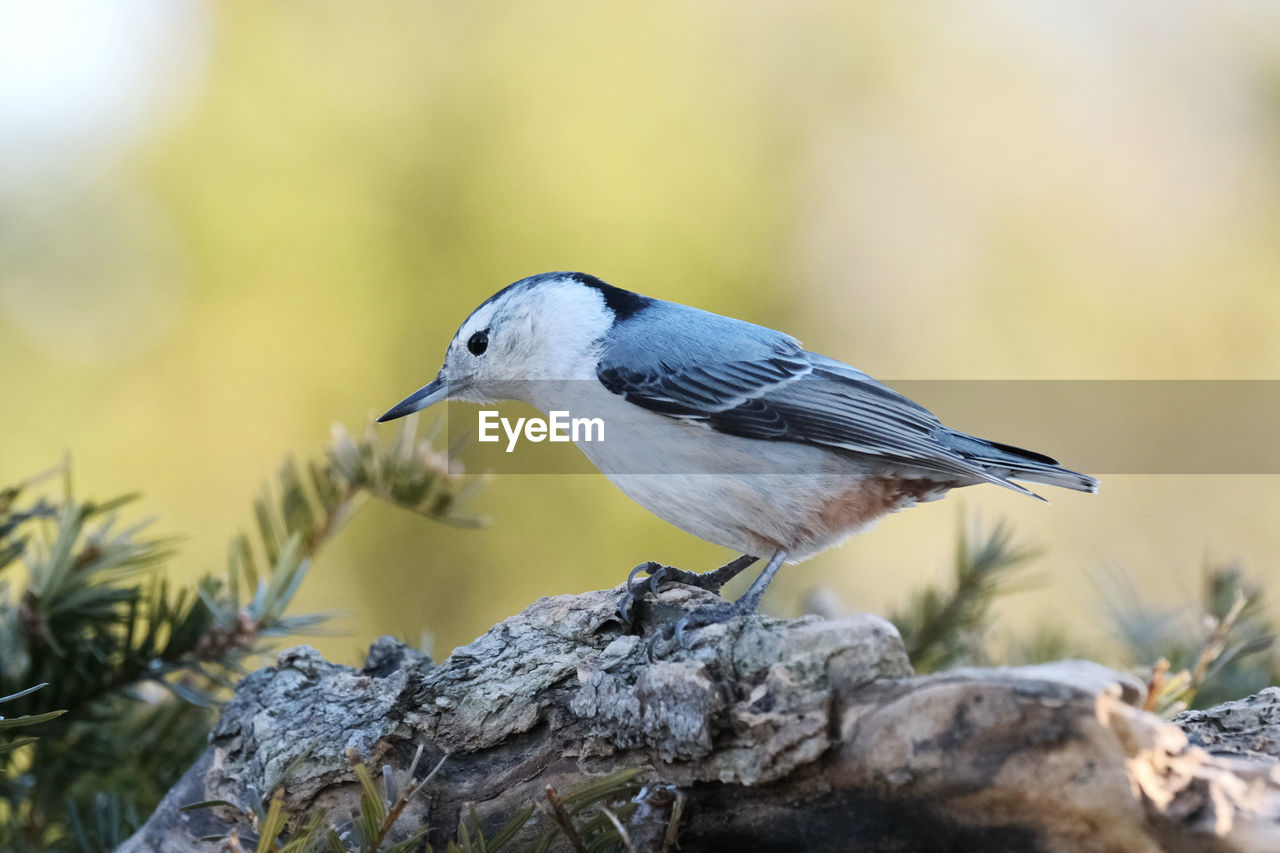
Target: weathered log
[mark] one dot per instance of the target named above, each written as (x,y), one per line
(1249,726)
(788,735)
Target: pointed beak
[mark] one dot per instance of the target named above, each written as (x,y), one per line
(433,392)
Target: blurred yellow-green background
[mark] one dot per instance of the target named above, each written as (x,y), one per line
(226,226)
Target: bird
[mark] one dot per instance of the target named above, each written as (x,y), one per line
(730,431)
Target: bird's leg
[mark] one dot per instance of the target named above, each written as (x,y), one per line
(750,599)
(711,581)
(723,612)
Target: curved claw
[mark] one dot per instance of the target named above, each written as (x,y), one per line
(650,567)
(626,603)
(680,626)
(701,617)
(656,576)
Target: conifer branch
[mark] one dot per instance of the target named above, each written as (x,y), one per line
(945,627)
(98,621)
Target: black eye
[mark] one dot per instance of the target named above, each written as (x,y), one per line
(479,342)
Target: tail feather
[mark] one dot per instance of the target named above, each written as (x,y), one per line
(1014,463)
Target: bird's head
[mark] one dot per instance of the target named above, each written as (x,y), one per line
(545,327)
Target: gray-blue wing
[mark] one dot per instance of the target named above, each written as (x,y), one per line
(749,381)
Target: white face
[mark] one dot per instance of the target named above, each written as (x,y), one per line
(545,332)
(548,330)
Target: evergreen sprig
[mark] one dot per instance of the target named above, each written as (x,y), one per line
(9,741)
(590,817)
(135,661)
(1221,647)
(946,627)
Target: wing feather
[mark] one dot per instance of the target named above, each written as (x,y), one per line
(753,382)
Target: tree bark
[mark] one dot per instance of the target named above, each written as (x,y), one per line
(770,735)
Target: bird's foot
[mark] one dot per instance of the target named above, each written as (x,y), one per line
(701,617)
(656,572)
(659,574)
(683,633)
(723,611)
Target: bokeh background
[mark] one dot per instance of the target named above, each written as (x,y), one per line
(226,226)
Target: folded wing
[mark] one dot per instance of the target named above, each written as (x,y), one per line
(746,380)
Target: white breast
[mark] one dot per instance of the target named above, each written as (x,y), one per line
(750,495)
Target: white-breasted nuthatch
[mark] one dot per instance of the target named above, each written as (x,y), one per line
(731,431)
